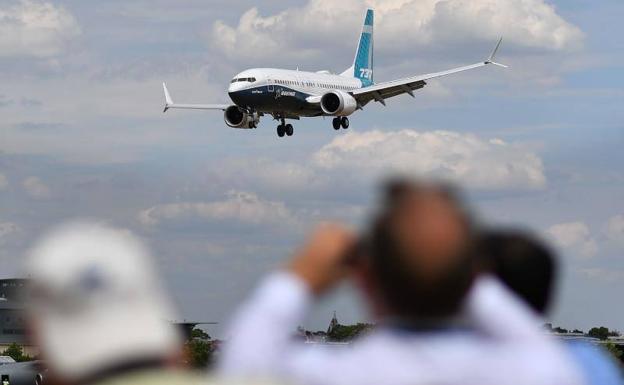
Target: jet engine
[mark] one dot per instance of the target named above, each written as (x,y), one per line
(338,103)
(236,117)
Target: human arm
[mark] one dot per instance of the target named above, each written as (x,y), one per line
(261,333)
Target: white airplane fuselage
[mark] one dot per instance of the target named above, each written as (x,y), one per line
(270,90)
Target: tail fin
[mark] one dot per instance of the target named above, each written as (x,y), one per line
(363,63)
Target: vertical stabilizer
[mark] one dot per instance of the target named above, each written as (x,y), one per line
(363,63)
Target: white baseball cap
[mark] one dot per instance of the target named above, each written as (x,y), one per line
(96,300)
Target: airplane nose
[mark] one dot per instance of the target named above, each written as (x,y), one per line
(234,87)
(237,97)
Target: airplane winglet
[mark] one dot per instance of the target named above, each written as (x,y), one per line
(168,100)
(492,58)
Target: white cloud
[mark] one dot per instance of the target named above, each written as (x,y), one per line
(463,158)
(575,237)
(239,207)
(4,182)
(35,29)
(36,188)
(529,23)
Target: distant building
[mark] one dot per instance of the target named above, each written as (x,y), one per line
(332,324)
(12,323)
(319,337)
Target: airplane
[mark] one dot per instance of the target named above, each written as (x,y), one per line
(293,94)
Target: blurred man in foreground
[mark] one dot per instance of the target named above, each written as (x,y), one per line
(529,269)
(98,311)
(414,269)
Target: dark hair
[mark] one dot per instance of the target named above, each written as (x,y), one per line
(408,290)
(524,263)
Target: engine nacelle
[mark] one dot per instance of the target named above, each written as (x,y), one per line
(236,117)
(338,103)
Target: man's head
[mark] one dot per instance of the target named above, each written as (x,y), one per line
(96,303)
(520,261)
(417,252)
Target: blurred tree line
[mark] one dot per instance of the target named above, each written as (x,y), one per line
(16,352)
(201,349)
(345,333)
(602,333)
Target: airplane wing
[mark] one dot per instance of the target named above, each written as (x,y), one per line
(382,91)
(170,104)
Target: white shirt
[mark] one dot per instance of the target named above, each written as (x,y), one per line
(509,349)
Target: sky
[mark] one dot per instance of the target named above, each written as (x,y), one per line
(537,146)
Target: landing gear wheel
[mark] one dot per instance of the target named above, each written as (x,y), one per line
(281,130)
(344,122)
(337,122)
(290,130)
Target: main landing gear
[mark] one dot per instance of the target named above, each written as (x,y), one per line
(339,122)
(285,129)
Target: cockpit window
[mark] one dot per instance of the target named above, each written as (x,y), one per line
(236,80)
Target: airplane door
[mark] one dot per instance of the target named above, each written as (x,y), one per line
(271,87)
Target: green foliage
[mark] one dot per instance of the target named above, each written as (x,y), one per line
(343,333)
(615,350)
(199,334)
(200,349)
(560,330)
(577,331)
(200,353)
(602,333)
(17,353)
